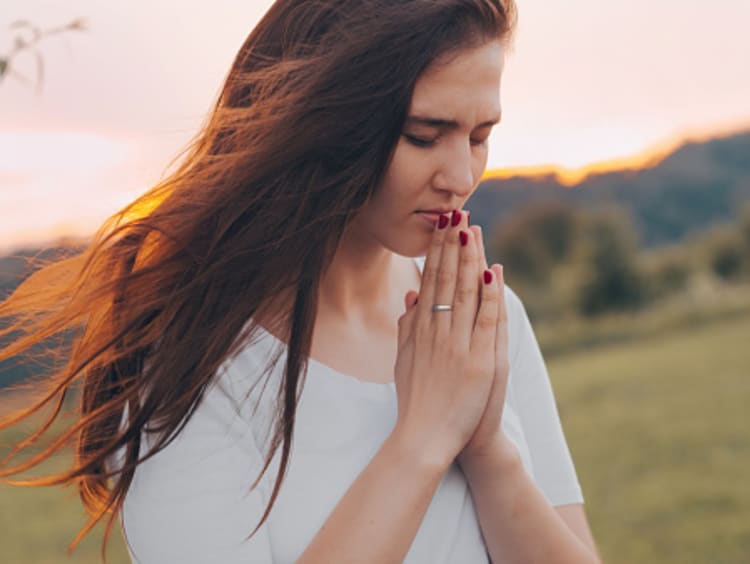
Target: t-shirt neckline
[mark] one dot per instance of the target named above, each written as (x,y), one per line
(419,261)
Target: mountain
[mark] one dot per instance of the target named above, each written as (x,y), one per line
(13,269)
(696,186)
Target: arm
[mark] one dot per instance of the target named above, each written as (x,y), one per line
(517,522)
(530,517)
(380,514)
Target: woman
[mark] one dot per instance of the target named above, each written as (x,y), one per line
(344,128)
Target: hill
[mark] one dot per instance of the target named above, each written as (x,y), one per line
(697,186)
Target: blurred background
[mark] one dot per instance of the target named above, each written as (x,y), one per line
(617,196)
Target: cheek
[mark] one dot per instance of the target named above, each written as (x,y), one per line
(409,171)
(478,168)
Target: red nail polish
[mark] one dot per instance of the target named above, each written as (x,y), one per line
(442,221)
(456,219)
(487,276)
(464,237)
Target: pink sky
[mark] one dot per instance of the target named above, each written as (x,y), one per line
(589,80)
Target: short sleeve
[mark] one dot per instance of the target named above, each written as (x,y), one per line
(192,502)
(532,396)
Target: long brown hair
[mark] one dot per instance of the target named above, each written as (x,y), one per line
(297,142)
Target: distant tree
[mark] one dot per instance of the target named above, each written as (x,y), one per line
(611,278)
(745,228)
(726,252)
(667,270)
(27,37)
(535,239)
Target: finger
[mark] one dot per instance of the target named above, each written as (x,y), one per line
(466,298)
(429,276)
(480,247)
(410,299)
(481,258)
(501,339)
(500,275)
(406,321)
(484,337)
(445,287)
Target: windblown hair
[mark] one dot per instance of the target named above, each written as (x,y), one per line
(297,142)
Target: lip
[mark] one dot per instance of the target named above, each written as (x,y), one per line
(431,217)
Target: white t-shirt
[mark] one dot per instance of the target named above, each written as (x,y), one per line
(192,503)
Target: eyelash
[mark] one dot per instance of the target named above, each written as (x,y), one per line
(426,143)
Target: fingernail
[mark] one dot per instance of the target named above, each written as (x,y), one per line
(487,276)
(456,219)
(442,221)
(464,237)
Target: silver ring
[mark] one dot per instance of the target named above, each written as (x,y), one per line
(441,307)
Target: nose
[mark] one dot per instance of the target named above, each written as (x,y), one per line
(455,172)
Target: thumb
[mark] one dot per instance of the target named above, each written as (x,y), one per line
(406,320)
(410,299)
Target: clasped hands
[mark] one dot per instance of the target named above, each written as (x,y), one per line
(488,440)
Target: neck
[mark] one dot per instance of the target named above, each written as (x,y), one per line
(361,285)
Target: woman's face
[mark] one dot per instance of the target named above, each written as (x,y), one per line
(442,151)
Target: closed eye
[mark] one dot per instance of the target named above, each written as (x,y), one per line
(418,142)
(424,143)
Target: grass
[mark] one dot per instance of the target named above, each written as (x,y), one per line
(658,431)
(38,524)
(707,301)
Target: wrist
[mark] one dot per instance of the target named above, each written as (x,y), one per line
(429,456)
(499,458)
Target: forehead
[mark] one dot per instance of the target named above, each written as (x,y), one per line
(464,88)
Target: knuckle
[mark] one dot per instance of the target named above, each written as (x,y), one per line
(489,293)
(467,257)
(430,273)
(464,294)
(485,321)
(493,297)
(445,276)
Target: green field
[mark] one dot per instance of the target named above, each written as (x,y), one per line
(658,429)
(38,524)
(659,433)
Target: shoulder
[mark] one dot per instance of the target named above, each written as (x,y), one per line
(513,304)
(519,325)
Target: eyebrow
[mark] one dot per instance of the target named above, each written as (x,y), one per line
(445,123)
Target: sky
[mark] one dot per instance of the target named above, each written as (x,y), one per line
(588,81)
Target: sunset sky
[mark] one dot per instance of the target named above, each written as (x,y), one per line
(588,81)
